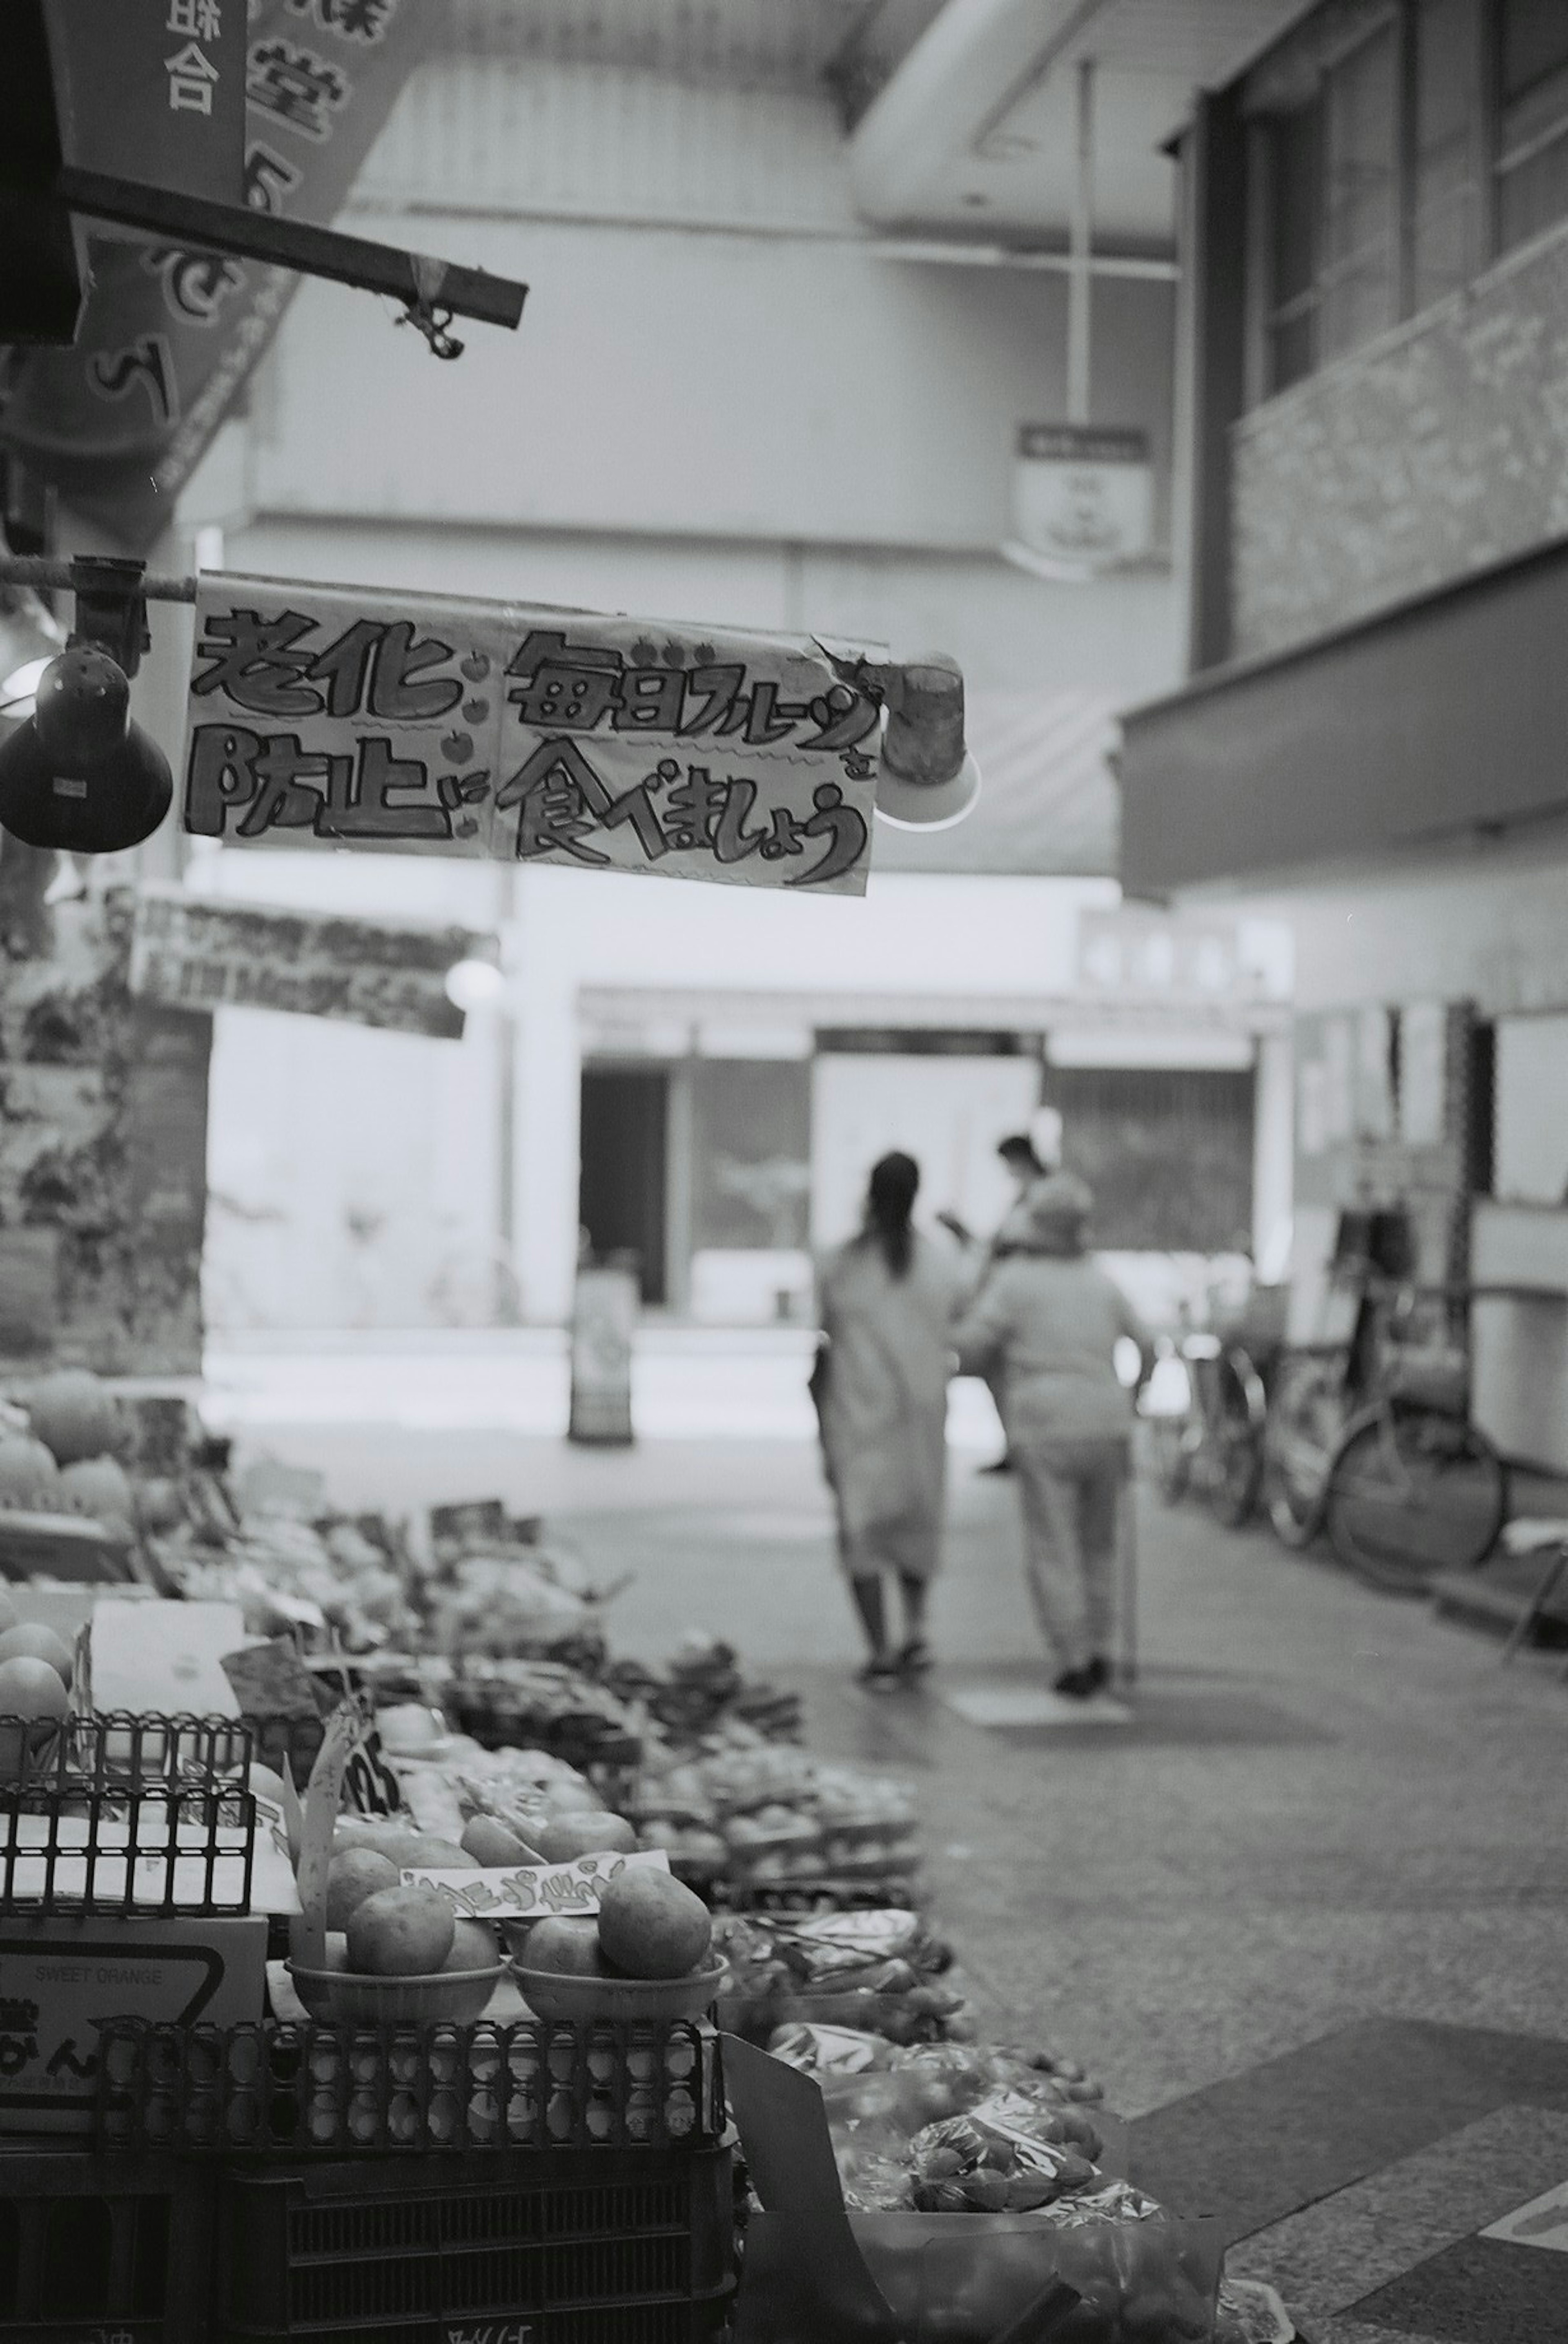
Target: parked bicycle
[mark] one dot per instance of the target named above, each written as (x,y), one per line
(1370,1441)
(1207,1406)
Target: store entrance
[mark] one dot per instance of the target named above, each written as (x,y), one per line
(624,1147)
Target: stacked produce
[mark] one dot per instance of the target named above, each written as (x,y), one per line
(765,1816)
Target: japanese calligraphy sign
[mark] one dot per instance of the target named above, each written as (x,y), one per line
(153,91)
(204,955)
(352,717)
(301,89)
(531,1892)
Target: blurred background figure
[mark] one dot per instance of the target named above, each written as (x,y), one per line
(1030,1157)
(888,1302)
(1049,1320)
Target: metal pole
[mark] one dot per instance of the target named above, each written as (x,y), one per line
(1081,275)
(62,577)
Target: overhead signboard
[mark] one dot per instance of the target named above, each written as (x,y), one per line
(153,91)
(193,954)
(341,716)
(118,421)
(1136,954)
(1083,496)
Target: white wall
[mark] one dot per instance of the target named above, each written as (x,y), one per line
(918,938)
(1486,925)
(662,380)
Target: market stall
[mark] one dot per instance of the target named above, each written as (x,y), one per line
(383,1954)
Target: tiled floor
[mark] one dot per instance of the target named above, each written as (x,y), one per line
(1305,1911)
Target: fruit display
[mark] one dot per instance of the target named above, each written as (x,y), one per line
(781,1818)
(878,1974)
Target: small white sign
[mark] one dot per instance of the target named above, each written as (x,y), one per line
(1543,2222)
(531,1892)
(1083,496)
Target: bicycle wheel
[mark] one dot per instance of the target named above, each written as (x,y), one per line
(1234,1477)
(1299,1440)
(1412,1492)
(1170,1458)
(1237,1470)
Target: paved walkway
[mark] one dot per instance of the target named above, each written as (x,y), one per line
(1305,1913)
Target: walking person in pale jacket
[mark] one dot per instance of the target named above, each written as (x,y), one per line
(888,1302)
(1049,1319)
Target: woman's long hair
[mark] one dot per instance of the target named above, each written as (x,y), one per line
(889,1201)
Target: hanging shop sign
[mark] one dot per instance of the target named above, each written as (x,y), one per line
(153,91)
(1083,495)
(204,955)
(349,717)
(118,421)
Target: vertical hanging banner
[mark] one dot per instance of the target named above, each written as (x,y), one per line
(274,104)
(354,717)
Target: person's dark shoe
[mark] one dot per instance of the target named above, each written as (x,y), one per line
(1097,1673)
(915,1660)
(1003,1464)
(1075,1683)
(879,1675)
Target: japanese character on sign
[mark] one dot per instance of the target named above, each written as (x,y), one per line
(191,74)
(296,85)
(268,178)
(264,666)
(199,20)
(352,20)
(196,284)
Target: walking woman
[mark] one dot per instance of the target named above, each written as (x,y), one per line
(1049,1319)
(888,1301)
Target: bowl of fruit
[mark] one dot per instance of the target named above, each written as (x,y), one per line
(647,1957)
(396,1953)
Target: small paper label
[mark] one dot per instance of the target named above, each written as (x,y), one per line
(65,787)
(529,1891)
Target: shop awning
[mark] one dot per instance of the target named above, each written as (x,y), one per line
(1048,808)
(1444,717)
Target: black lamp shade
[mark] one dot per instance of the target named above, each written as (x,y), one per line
(81,709)
(116,806)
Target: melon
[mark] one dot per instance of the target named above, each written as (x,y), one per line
(29,1476)
(98,1487)
(73,1414)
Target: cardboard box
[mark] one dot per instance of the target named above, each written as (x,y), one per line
(166,1657)
(60,1977)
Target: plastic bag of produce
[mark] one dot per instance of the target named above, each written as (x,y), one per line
(1105,2265)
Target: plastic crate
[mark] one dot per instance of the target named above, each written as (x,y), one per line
(341,2090)
(628,2247)
(137,1815)
(95,2248)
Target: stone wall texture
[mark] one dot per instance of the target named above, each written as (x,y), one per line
(1436,451)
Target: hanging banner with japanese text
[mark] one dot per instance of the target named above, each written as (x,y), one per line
(120,422)
(198,955)
(355,717)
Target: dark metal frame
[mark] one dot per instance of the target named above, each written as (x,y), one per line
(433,291)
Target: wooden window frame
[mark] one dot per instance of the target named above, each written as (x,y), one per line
(1264,317)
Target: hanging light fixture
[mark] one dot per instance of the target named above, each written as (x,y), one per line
(929,779)
(78,772)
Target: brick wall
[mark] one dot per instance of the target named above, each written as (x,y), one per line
(1439,449)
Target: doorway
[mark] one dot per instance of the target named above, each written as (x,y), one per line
(623,1175)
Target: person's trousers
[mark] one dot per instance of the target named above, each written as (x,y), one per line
(1070,1490)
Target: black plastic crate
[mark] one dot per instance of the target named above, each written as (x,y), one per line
(96,2247)
(80,1800)
(631,2246)
(538,2086)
